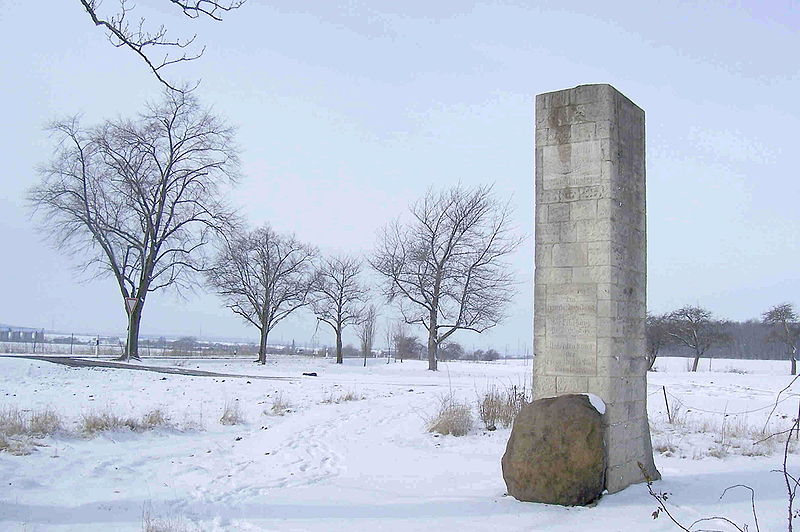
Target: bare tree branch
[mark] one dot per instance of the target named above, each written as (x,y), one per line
(121,33)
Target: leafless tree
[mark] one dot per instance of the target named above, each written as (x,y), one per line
(400,336)
(122,32)
(366,329)
(785,329)
(339,295)
(139,199)
(263,277)
(695,328)
(657,335)
(389,331)
(447,268)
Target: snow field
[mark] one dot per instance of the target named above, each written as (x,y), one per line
(366,463)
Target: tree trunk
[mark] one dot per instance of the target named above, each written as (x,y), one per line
(793,358)
(132,342)
(339,346)
(262,347)
(433,343)
(696,361)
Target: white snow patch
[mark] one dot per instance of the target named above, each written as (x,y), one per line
(367,464)
(597,403)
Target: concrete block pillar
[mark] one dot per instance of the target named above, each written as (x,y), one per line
(590,265)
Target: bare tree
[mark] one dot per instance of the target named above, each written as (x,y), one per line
(124,33)
(451,351)
(785,329)
(657,336)
(366,329)
(446,267)
(263,277)
(389,339)
(400,336)
(695,328)
(339,295)
(139,199)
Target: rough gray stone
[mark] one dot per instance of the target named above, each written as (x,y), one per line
(556,454)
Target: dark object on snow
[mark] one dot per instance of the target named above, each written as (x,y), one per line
(311,374)
(556,453)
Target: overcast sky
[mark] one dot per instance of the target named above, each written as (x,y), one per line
(349,111)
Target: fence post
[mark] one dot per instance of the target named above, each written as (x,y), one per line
(669,416)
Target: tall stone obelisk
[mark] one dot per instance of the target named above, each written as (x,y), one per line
(590,276)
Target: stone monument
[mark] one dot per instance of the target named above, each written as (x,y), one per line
(590,276)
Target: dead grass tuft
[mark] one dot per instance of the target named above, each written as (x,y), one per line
(231,414)
(699,435)
(33,423)
(280,406)
(490,407)
(501,407)
(44,423)
(16,446)
(453,418)
(345,397)
(161,524)
(107,421)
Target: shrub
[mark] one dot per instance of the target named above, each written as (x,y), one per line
(453,418)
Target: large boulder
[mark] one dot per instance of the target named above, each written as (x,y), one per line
(556,453)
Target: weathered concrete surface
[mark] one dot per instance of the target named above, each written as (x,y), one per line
(590,275)
(555,454)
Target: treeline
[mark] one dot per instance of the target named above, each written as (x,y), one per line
(145,201)
(696,332)
(749,340)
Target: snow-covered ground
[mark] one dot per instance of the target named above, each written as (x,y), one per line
(367,464)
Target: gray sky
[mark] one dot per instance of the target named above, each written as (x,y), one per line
(348,111)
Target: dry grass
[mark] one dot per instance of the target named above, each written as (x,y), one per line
(15,445)
(490,407)
(161,524)
(453,418)
(280,406)
(96,422)
(697,435)
(34,423)
(231,414)
(44,423)
(501,407)
(343,398)
(19,429)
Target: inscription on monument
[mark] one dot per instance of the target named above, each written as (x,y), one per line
(571,328)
